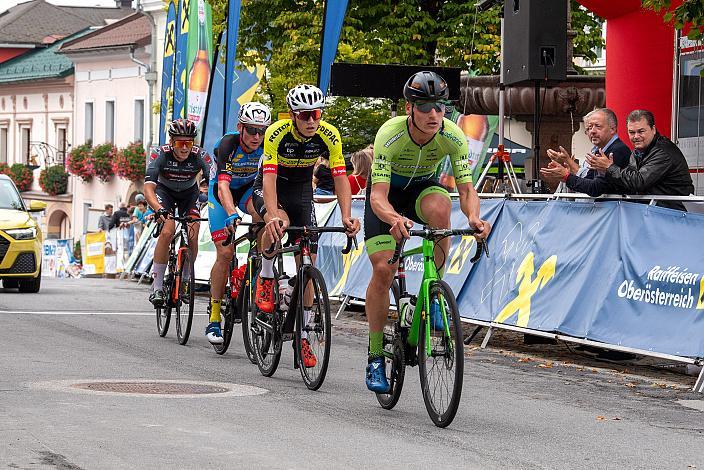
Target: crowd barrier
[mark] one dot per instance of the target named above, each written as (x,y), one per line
(615,274)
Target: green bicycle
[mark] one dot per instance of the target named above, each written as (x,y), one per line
(431,341)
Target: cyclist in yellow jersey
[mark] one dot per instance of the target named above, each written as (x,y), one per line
(407,151)
(283,189)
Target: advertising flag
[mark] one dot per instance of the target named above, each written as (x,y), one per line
(200,53)
(167,70)
(182,27)
(332,26)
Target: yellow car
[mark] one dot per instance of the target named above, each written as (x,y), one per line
(20,240)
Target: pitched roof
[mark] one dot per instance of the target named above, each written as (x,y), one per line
(131,30)
(39,22)
(38,64)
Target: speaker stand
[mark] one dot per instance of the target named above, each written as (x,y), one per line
(537,184)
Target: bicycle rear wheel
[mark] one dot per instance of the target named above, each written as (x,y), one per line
(315,328)
(441,371)
(184,301)
(245,302)
(394,356)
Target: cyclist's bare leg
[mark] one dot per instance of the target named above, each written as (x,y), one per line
(193,231)
(161,251)
(219,272)
(436,209)
(377,299)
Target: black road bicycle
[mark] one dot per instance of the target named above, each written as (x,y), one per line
(268,332)
(179,281)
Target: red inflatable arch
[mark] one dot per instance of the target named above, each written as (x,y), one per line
(640,50)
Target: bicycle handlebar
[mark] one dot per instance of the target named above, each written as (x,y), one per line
(311,230)
(437,233)
(231,235)
(187,219)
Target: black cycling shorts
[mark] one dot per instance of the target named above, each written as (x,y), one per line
(404,201)
(184,201)
(297,201)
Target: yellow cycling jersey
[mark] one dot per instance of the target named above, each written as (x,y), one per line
(293,158)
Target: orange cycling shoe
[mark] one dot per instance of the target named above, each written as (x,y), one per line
(309,359)
(264,298)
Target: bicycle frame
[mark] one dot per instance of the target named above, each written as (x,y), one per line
(430,274)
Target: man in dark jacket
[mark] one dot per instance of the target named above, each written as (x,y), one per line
(656,166)
(601,127)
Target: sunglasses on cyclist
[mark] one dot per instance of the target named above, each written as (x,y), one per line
(427,106)
(185,144)
(306,115)
(251,130)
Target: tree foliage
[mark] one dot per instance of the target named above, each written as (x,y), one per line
(285,35)
(690,13)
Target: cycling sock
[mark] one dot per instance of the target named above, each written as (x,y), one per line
(267,268)
(307,315)
(215,310)
(376,344)
(158,269)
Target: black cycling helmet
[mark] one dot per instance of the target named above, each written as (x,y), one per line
(425,86)
(183,128)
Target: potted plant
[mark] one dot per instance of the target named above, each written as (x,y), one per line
(78,162)
(4,169)
(22,176)
(130,162)
(54,180)
(101,161)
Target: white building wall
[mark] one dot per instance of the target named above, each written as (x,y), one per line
(101,78)
(43,107)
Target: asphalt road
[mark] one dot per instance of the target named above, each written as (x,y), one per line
(517,411)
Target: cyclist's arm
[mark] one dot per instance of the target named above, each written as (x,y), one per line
(379,200)
(344,195)
(270,166)
(151,178)
(270,199)
(224,177)
(469,202)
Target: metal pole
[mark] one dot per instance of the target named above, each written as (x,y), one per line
(536,138)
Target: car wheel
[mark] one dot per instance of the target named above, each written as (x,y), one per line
(31,285)
(10,283)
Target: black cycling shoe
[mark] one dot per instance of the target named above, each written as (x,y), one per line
(157,298)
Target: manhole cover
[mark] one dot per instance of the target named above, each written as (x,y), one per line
(155,388)
(151,388)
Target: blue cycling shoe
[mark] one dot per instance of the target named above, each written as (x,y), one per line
(376,376)
(436,322)
(213,333)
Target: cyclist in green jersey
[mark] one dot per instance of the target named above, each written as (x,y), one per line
(407,151)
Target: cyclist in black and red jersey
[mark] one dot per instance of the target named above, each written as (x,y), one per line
(171,183)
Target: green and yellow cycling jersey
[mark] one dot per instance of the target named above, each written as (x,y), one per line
(293,158)
(398,160)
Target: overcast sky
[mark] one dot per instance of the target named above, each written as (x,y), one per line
(5,4)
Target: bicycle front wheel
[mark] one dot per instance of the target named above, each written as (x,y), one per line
(185,288)
(313,328)
(245,302)
(266,335)
(441,356)
(163,319)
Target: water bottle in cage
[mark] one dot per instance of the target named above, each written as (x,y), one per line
(286,285)
(236,277)
(406,307)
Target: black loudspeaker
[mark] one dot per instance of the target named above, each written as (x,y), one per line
(384,80)
(535,41)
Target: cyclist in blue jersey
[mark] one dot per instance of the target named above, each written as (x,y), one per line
(237,155)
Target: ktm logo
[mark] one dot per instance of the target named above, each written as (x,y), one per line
(527,287)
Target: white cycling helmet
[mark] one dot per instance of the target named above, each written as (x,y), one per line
(254,113)
(305,98)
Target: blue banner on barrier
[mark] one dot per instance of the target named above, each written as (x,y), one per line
(619,273)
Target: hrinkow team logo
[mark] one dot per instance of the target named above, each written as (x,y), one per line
(527,287)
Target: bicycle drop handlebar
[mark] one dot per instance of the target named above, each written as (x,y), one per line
(311,230)
(160,225)
(439,233)
(230,236)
